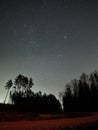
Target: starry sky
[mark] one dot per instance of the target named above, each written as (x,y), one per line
(52,41)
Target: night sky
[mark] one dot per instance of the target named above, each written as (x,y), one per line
(52,41)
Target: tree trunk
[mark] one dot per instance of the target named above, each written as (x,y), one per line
(6,96)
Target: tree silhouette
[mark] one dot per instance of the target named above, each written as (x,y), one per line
(81,94)
(21,89)
(68,99)
(8,85)
(75,94)
(25,99)
(94,90)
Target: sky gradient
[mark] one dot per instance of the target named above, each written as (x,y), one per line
(52,41)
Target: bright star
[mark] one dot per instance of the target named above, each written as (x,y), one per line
(65,36)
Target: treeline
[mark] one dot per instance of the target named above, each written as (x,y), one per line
(36,102)
(7,107)
(24,99)
(82,94)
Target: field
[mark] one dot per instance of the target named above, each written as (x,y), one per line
(31,121)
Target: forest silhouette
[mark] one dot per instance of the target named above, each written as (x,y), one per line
(24,99)
(80,95)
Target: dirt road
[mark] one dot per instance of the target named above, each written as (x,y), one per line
(48,124)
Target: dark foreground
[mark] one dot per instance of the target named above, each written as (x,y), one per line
(79,123)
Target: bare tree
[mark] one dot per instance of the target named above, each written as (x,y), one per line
(8,85)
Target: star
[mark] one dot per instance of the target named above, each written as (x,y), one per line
(31,30)
(47,32)
(25,25)
(66,37)
(58,6)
